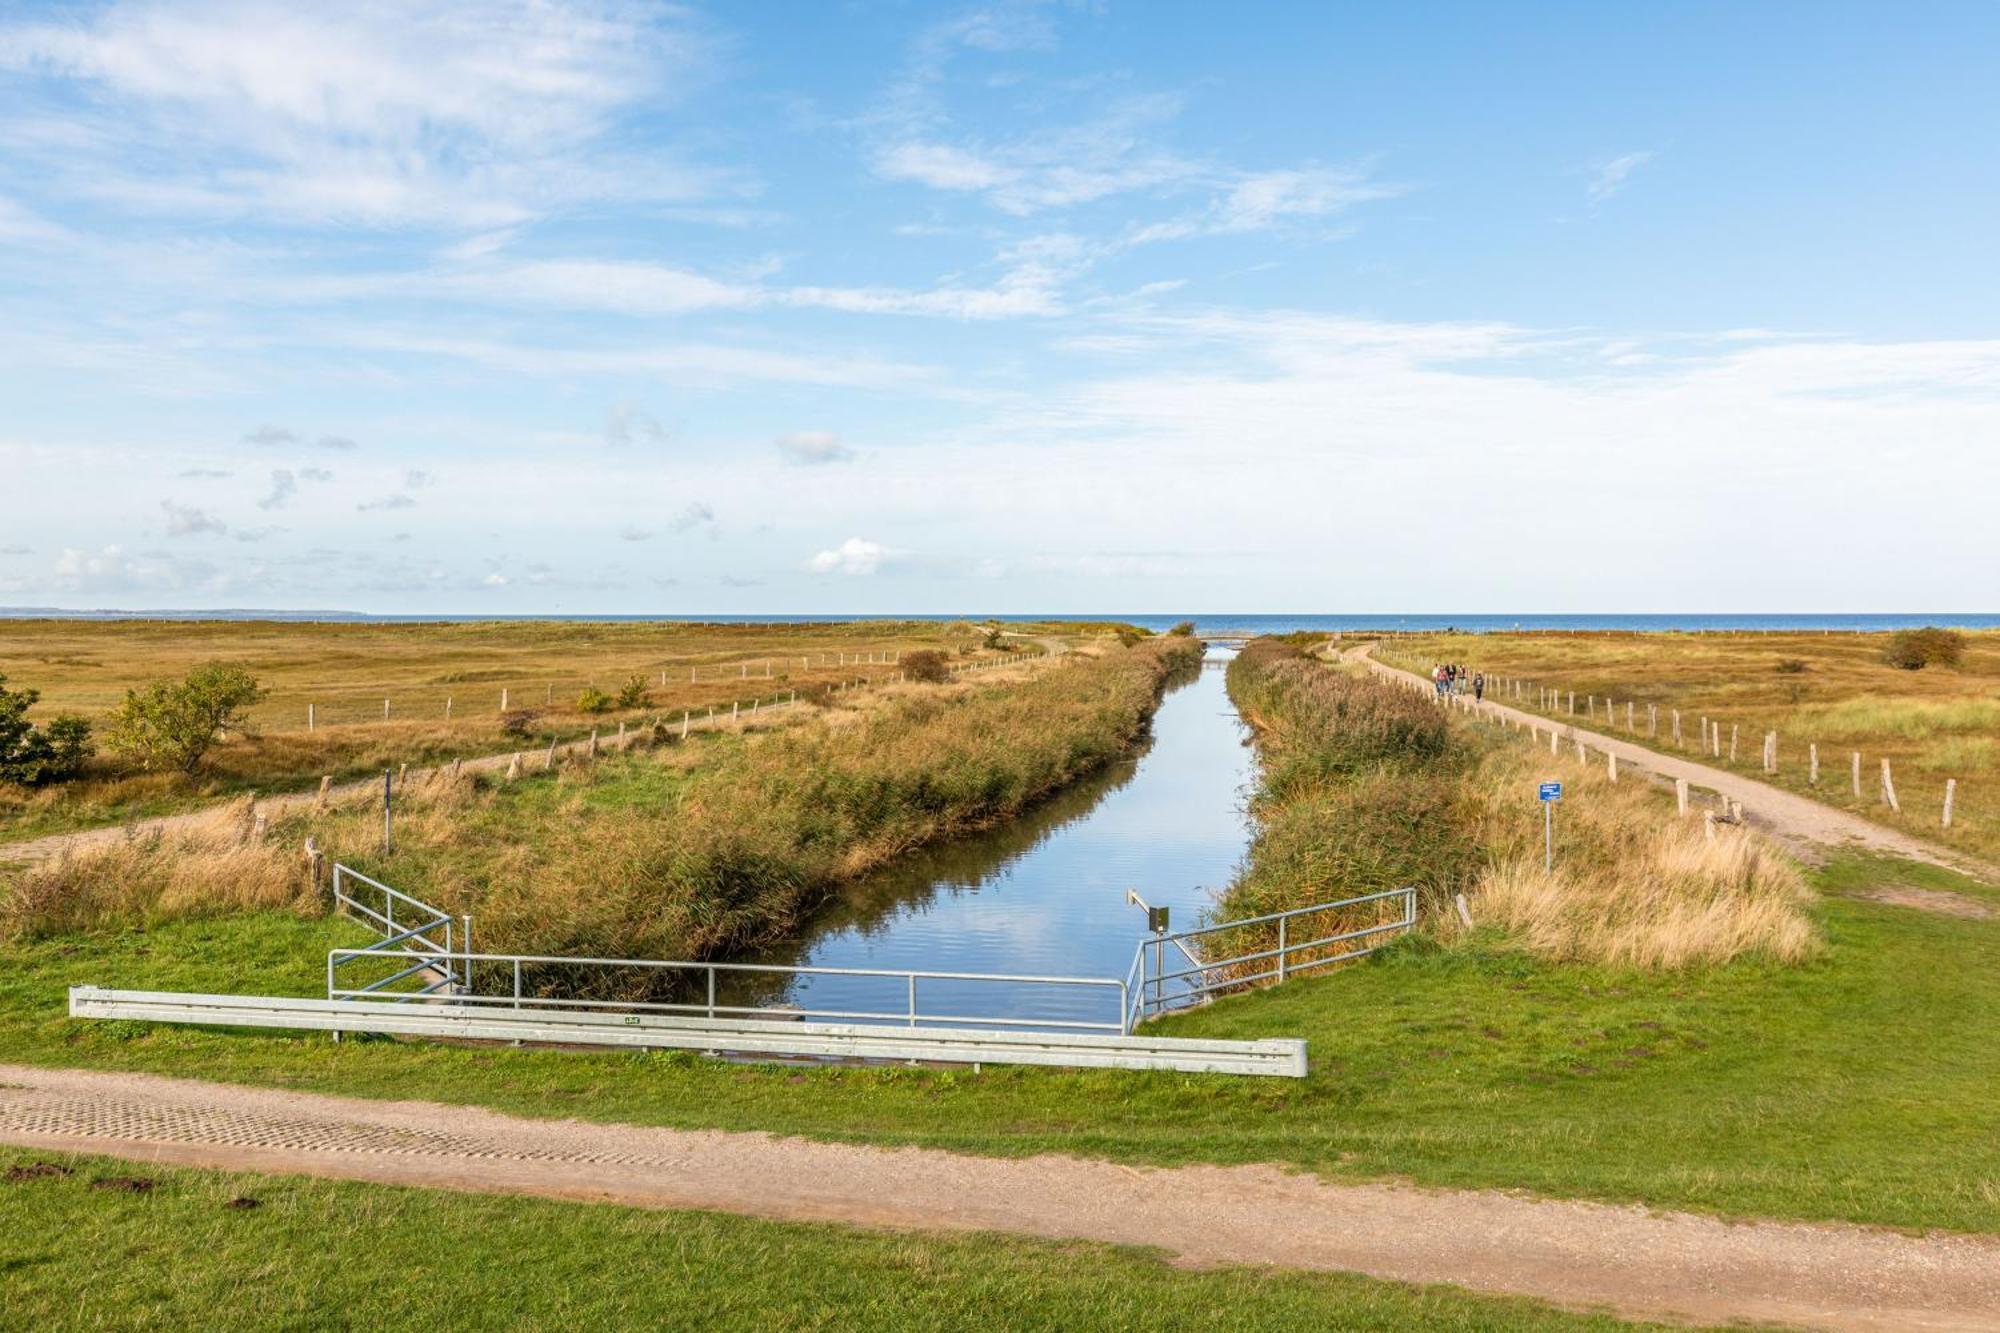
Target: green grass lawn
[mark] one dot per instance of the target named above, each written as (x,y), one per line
(1857,1087)
(78,1252)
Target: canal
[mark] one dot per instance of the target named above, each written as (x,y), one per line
(1046,894)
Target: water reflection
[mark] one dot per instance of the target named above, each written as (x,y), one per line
(1045,894)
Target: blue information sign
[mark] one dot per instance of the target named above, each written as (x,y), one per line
(1552,791)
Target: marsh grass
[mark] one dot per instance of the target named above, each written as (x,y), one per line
(680,851)
(345,671)
(1365,786)
(1932,725)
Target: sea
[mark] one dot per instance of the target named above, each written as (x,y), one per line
(1205,623)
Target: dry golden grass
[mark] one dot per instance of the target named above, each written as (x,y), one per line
(1456,811)
(1931,725)
(672,850)
(345,671)
(1634,885)
(214,867)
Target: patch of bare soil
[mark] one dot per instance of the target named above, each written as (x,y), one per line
(1940,901)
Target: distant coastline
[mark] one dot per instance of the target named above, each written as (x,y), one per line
(1205,622)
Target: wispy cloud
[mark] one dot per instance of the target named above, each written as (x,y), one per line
(190,520)
(1608,178)
(812,448)
(855,557)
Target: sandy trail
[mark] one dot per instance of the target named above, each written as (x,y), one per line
(1629,1259)
(1804,824)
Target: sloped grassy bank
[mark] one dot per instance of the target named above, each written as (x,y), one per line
(684,851)
(1365,786)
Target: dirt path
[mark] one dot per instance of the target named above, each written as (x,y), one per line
(1803,823)
(1581,1254)
(364,789)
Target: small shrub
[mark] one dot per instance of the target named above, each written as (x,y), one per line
(927,665)
(1915,649)
(1129,636)
(171,724)
(593,700)
(632,694)
(518,722)
(993,639)
(1184,630)
(32,755)
(1792,666)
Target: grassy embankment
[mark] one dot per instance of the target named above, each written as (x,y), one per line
(1833,690)
(294,1253)
(345,671)
(669,851)
(1855,1084)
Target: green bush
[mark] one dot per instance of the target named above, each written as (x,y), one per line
(593,700)
(171,724)
(1915,649)
(927,665)
(632,694)
(32,755)
(1184,630)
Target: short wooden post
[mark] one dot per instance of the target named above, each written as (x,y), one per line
(514,766)
(1889,789)
(1677,728)
(1812,764)
(312,716)
(503,698)
(684,724)
(548,694)
(1611,765)
(1653,720)
(1770,752)
(402,776)
(1555,742)
(1732,741)
(1950,791)
(1681,794)
(447,708)
(1572,703)
(621,733)
(591,752)
(1857,774)
(385,710)
(325,790)
(1582,755)
(550,760)
(315,859)
(1708,824)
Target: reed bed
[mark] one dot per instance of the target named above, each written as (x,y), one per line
(1367,786)
(674,851)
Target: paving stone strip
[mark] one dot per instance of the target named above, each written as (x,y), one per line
(1627,1259)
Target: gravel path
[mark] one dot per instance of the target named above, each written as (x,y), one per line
(1629,1259)
(1805,824)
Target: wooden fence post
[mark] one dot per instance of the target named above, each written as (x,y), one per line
(1889,789)
(325,788)
(447,708)
(1950,790)
(514,766)
(1812,764)
(1857,775)
(1677,728)
(1770,752)
(503,698)
(550,761)
(1732,740)
(1611,765)
(312,714)
(1681,794)
(1555,742)
(385,710)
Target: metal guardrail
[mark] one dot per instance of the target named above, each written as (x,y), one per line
(1150,990)
(416,936)
(520,969)
(1283,1057)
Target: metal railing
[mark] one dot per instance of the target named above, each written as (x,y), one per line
(1151,989)
(426,935)
(521,973)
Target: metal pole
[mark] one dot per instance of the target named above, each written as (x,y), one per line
(711,992)
(1548,837)
(913,999)
(1281,951)
(388,817)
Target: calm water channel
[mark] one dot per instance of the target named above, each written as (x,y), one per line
(1045,895)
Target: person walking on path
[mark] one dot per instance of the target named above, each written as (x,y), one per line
(1478,687)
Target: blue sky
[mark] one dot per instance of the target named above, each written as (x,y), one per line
(892,307)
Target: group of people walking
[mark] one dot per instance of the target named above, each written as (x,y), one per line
(1453,678)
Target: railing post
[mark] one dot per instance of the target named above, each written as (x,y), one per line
(1282,922)
(913,999)
(711,990)
(517,983)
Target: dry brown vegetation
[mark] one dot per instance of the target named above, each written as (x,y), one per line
(344,671)
(1367,786)
(1835,691)
(687,850)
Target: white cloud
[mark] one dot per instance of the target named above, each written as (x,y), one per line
(628,423)
(1609,177)
(809,448)
(854,557)
(478,113)
(270,435)
(284,485)
(190,521)
(692,517)
(397,501)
